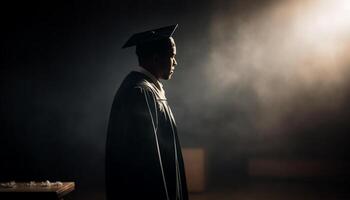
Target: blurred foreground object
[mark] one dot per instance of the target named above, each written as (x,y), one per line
(194,159)
(33,190)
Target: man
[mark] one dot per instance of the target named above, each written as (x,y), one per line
(143,154)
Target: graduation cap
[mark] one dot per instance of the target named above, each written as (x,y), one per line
(151,35)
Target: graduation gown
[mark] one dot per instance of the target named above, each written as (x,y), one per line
(143,154)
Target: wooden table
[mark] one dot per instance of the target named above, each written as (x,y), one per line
(24,191)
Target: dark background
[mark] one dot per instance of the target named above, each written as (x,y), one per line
(62,62)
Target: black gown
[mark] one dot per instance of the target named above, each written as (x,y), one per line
(143,154)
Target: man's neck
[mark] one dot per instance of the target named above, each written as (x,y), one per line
(151,71)
(151,76)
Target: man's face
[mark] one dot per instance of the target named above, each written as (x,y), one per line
(167,62)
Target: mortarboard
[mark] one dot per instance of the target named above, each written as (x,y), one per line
(151,35)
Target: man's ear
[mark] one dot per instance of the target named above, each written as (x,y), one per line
(155,58)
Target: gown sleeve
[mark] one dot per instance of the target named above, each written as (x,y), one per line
(140,163)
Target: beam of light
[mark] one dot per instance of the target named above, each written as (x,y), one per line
(323,20)
(323,28)
(293,56)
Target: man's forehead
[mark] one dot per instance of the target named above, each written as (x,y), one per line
(172,40)
(173,45)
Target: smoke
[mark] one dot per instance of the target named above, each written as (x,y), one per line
(282,65)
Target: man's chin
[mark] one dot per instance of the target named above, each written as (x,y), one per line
(169,76)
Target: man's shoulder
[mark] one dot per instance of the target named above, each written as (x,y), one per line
(136,82)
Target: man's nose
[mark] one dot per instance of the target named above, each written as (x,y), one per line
(175,62)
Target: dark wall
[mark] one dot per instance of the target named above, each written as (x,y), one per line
(61,63)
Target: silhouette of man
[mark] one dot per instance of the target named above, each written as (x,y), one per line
(143,153)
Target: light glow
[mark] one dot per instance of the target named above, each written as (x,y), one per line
(289,54)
